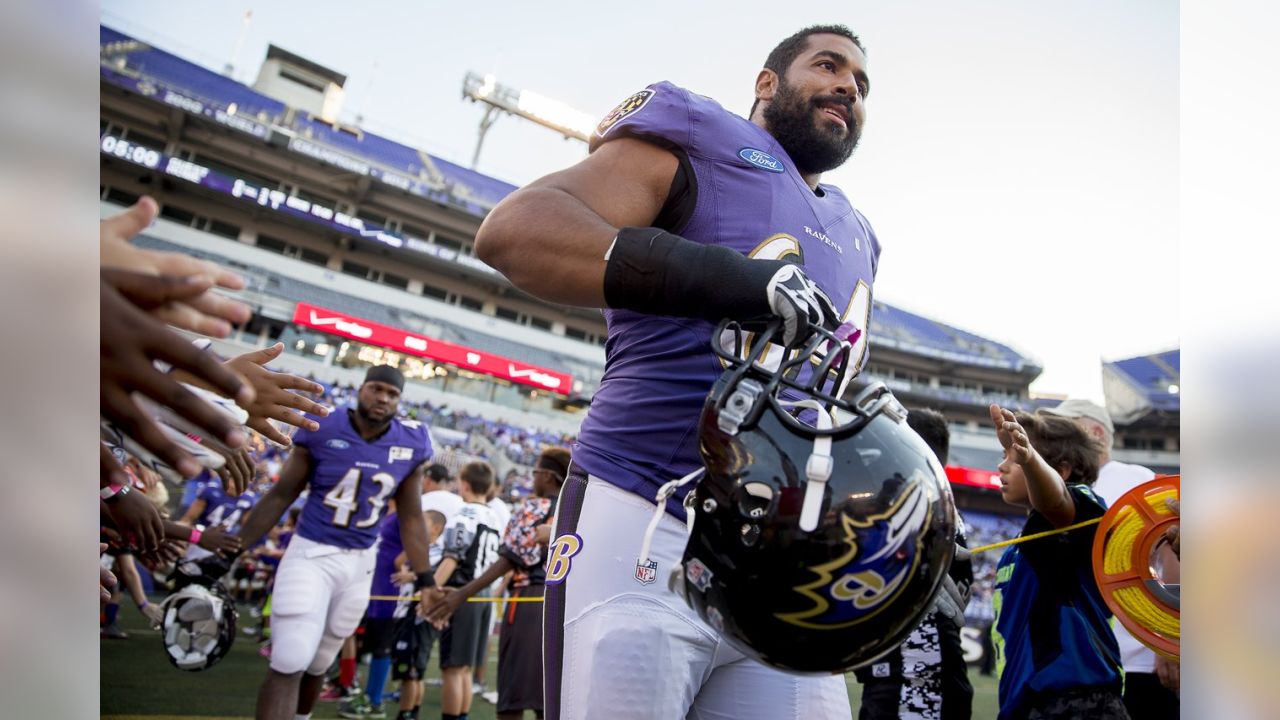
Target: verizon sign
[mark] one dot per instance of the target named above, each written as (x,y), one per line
(973,477)
(342,325)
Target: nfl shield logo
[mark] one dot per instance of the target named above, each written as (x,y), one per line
(646,572)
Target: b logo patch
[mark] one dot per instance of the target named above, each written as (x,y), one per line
(562,551)
(625,109)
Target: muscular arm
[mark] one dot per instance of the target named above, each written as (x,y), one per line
(293,478)
(413,525)
(549,238)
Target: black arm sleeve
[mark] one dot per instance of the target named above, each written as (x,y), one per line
(654,272)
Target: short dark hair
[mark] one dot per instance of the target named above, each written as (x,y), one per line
(438,472)
(478,475)
(435,518)
(786,52)
(1060,441)
(931,426)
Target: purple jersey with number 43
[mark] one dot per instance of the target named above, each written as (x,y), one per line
(352,478)
(641,430)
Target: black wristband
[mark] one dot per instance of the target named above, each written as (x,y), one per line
(424,580)
(654,272)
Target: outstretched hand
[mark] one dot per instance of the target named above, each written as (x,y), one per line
(236,472)
(273,399)
(132,339)
(205,312)
(218,540)
(1012,436)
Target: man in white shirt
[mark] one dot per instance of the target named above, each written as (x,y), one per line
(1151,682)
(437,494)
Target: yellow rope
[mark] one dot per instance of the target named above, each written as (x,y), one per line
(1126,532)
(1035,536)
(472,599)
(1149,615)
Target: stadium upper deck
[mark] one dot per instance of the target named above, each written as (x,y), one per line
(134,66)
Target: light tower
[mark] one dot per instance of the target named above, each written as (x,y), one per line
(500,99)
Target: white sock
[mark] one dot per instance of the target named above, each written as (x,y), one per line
(300,716)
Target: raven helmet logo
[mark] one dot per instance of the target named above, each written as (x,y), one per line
(624,110)
(883,552)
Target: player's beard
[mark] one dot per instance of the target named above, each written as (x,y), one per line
(813,148)
(369,418)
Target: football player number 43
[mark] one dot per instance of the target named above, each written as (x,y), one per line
(344,498)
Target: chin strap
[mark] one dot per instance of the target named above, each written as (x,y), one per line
(819,466)
(665,492)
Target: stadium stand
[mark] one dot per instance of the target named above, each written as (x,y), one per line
(1153,376)
(124,57)
(126,61)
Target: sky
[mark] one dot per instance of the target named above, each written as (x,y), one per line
(1020,161)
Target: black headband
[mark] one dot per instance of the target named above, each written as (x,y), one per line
(385,374)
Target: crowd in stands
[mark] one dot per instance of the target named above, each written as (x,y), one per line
(984,528)
(521,445)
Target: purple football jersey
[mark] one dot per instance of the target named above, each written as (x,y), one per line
(641,430)
(389,546)
(352,479)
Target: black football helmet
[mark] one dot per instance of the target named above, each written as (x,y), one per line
(823,527)
(199,622)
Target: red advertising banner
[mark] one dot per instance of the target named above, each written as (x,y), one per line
(403,341)
(972,477)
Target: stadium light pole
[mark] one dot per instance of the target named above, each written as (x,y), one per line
(501,99)
(230,69)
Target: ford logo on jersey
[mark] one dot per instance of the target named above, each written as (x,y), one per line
(761,159)
(337,444)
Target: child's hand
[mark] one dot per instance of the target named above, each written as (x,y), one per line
(217,539)
(403,576)
(1013,438)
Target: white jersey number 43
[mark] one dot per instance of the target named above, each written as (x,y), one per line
(344,498)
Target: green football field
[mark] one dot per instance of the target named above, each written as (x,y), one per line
(138,682)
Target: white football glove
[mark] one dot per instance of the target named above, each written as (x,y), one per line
(801,305)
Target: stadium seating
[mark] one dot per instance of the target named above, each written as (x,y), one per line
(474,192)
(191,79)
(1152,375)
(471,191)
(290,289)
(909,331)
(379,150)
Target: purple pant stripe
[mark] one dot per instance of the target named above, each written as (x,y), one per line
(570,508)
